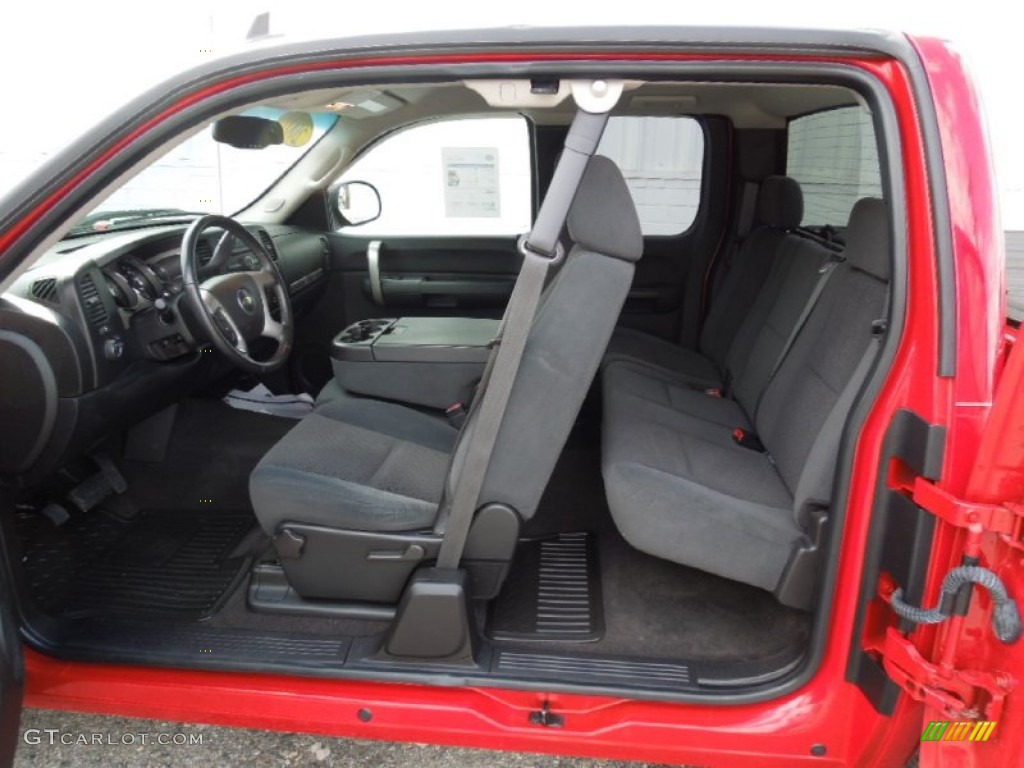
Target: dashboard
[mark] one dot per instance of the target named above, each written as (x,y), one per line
(97,334)
(137,278)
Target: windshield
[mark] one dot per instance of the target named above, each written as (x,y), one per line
(200,176)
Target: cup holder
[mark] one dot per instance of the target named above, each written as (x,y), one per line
(364,330)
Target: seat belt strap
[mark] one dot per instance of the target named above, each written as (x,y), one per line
(823,275)
(539,249)
(747,205)
(744,222)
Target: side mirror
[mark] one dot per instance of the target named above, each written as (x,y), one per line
(357,202)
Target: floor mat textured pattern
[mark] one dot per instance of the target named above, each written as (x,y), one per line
(553,592)
(167,564)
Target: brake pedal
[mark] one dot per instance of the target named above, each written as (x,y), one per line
(108,481)
(56,514)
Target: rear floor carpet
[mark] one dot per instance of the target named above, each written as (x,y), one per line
(655,608)
(172,565)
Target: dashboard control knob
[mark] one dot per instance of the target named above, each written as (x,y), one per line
(160,304)
(113,349)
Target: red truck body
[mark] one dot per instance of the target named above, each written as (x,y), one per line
(828,720)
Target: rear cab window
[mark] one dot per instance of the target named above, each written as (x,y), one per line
(834,157)
(662,160)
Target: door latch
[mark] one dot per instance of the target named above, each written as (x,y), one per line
(544,716)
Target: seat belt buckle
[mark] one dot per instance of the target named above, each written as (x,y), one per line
(456,414)
(748,440)
(713,392)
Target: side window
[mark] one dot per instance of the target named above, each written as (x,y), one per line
(450,178)
(834,156)
(662,159)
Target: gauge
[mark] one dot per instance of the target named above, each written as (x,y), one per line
(120,289)
(138,283)
(141,277)
(167,267)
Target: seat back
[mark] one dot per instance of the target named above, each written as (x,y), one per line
(566,342)
(804,409)
(787,289)
(780,207)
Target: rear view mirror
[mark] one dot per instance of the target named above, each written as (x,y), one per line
(358,202)
(244,132)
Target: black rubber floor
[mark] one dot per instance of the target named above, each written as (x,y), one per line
(171,565)
(553,593)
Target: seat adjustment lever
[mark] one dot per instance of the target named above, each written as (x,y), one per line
(412,553)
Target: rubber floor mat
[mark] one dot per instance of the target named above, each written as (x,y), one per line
(160,563)
(552,593)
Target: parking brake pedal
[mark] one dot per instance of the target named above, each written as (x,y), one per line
(109,480)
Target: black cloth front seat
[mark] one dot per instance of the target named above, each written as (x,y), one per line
(371,466)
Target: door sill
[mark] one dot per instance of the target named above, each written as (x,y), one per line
(193,646)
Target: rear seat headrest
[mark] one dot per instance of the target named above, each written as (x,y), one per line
(780,203)
(603,217)
(868,245)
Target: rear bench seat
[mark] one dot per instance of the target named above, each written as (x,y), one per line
(780,207)
(679,485)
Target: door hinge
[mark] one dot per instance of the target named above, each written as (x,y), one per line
(961,694)
(1004,520)
(544,716)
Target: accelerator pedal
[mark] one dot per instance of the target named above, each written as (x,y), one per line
(88,494)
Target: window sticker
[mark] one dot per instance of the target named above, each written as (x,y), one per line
(471,182)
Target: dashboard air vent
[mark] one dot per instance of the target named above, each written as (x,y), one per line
(45,289)
(268,243)
(92,303)
(204,251)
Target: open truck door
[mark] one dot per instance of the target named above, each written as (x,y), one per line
(953,640)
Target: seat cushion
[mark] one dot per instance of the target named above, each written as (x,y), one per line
(679,488)
(628,381)
(661,356)
(355,464)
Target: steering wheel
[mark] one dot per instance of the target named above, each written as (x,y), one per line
(233,307)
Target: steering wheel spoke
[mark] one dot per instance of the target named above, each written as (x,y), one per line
(234,337)
(264,279)
(224,322)
(272,329)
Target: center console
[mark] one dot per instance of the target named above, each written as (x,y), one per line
(429,361)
